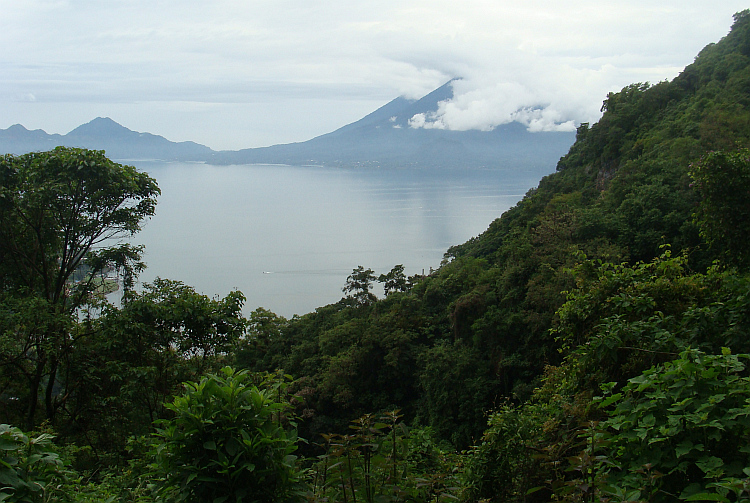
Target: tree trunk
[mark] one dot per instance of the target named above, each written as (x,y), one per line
(48,398)
(35,381)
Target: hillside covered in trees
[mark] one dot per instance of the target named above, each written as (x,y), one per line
(591,345)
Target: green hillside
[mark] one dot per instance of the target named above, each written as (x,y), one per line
(477,331)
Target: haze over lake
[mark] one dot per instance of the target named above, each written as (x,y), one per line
(288,237)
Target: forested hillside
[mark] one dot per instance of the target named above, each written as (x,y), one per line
(477,331)
(591,345)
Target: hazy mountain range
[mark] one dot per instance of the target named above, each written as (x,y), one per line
(382,138)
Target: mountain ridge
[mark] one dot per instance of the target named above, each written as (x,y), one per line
(381,138)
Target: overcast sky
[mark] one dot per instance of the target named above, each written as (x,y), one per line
(232,74)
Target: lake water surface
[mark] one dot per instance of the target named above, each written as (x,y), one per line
(288,237)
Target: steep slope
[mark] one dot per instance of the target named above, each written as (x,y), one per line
(628,172)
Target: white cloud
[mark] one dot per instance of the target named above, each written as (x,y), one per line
(237,73)
(25,98)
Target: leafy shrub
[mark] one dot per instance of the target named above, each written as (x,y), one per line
(680,430)
(503,467)
(229,441)
(382,460)
(30,470)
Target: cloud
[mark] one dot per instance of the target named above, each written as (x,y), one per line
(551,68)
(483,105)
(287,70)
(25,98)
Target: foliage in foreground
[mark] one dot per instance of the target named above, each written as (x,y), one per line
(673,421)
(383,460)
(60,211)
(30,468)
(230,440)
(680,430)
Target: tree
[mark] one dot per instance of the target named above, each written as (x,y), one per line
(138,355)
(358,285)
(723,181)
(60,211)
(395,280)
(262,339)
(191,324)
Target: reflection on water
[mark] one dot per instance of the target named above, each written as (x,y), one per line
(287,237)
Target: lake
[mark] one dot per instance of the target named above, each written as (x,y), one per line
(288,237)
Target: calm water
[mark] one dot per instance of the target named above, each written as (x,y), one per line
(288,237)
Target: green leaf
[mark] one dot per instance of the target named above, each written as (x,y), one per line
(709,464)
(10,478)
(648,421)
(707,497)
(606,402)
(683,448)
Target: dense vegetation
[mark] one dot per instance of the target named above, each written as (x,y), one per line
(591,345)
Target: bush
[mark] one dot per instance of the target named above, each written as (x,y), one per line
(30,470)
(680,430)
(229,441)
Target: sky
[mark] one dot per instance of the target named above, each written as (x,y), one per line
(234,74)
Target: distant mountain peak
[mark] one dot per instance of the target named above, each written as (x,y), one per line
(16,127)
(101,126)
(103,120)
(102,133)
(397,113)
